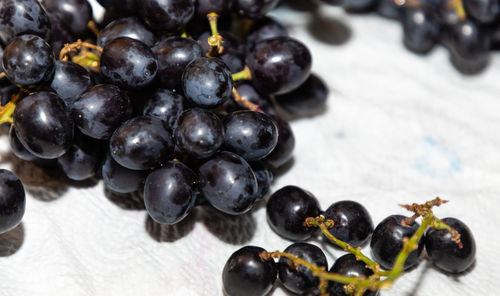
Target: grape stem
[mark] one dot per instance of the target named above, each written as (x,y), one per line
(7,111)
(93,27)
(249,105)
(215,41)
(86,57)
(2,75)
(244,74)
(458,7)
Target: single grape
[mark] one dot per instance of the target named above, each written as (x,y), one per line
(446,254)
(28,60)
(348,265)
(128,63)
(101,110)
(387,242)
(170,192)
(484,11)
(420,28)
(264,178)
(82,160)
(286,143)
(121,179)
(247,274)
(130,27)
(279,65)
(254,8)
(60,35)
(287,210)
(18,148)
(43,125)
(199,133)
(70,81)
(174,54)
(166,105)
(166,15)
(300,279)
(142,143)
(221,7)
(353,223)
(228,183)
(75,14)
(308,98)
(12,201)
(252,135)
(20,17)
(264,29)
(207,82)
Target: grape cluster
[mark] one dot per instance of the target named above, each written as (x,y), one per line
(469,29)
(155,99)
(249,271)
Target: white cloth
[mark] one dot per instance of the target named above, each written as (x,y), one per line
(399,128)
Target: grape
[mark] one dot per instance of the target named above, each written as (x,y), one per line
(287,210)
(125,27)
(43,125)
(348,265)
(228,183)
(485,11)
(389,9)
(353,223)
(121,179)
(7,90)
(247,274)
(207,82)
(166,15)
(169,193)
(421,29)
(101,110)
(264,178)
(75,14)
(233,52)
(70,81)
(286,143)
(264,29)
(19,17)
(446,254)
(300,279)
(254,8)
(166,105)
(249,93)
(12,201)
(307,99)
(28,60)
(174,54)
(122,7)
(17,147)
(128,63)
(387,242)
(358,5)
(221,7)
(82,159)
(252,135)
(199,133)
(142,143)
(59,35)
(279,65)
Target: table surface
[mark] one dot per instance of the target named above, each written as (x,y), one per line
(398,128)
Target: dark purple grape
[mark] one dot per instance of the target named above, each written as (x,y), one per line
(130,27)
(387,242)
(247,274)
(207,82)
(279,65)
(251,135)
(12,201)
(264,29)
(121,179)
(469,47)
(166,105)
(300,280)
(228,183)
(286,143)
(83,159)
(353,223)
(170,192)
(254,8)
(307,99)
(70,81)
(420,28)
(43,124)
(199,133)
(142,143)
(28,60)
(121,7)
(19,17)
(74,14)
(101,110)
(221,7)
(166,15)
(287,210)
(174,54)
(17,147)
(485,11)
(128,63)
(249,93)
(348,265)
(446,254)
(264,178)
(60,35)
(7,90)
(389,9)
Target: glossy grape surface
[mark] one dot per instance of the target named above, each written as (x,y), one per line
(285,146)
(82,160)
(264,178)
(12,200)
(254,8)
(166,105)
(166,15)
(348,265)
(21,17)
(249,93)
(221,7)
(74,14)
(353,223)
(18,148)
(421,29)
(264,29)
(121,179)
(70,81)
(130,27)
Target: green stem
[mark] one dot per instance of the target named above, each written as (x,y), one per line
(244,74)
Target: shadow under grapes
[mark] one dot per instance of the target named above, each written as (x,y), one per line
(171,233)
(126,201)
(230,229)
(11,241)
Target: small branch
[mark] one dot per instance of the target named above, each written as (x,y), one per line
(458,7)
(93,28)
(7,111)
(249,105)
(215,41)
(75,47)
(2,75)
(244,74)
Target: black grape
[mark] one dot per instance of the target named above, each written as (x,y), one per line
(19,17)
(249,93)
(121,179)
(121,7)
(285,146)
(254,8)
(264,29)
(348,265)
(60,35)
(12,200)
(389,9)
(101,110)
(83,159)
(28,60)
(128,63)
(70,80)
(166,15)
(166,105)
(421,28)
(43,124)
(170,192)
(228,183)
(125,27)
(18,148)
(264,178)
(74,14)
(142,143)
(485,11)
(221,7)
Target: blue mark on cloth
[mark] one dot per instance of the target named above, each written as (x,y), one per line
(436,160)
